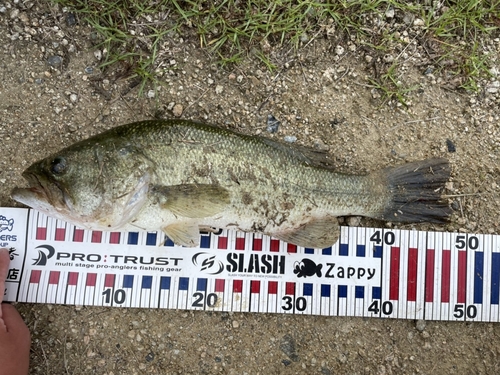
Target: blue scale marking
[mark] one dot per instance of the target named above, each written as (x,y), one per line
(344,249)
(377,252)
(359,292)
(165,282)
(128,281)
(478,276)
(376,292)
(308,250)
(201,285)
(327,251)
(151,239)
(495,278)
(205,242)
(168,242)
(183,283)
(308,289)
(147,281)
(360,250)
(133,238)
(343,291)
(325,290)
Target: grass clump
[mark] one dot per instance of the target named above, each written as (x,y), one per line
(133,31)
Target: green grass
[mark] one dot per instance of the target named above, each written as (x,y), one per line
(132,31)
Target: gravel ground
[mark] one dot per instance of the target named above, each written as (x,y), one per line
(53,94)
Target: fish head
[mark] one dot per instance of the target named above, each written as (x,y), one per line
(96,185)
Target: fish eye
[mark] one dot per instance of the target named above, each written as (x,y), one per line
(58,166)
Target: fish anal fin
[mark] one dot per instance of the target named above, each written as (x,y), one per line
(193,200)
(183,233)
(316,234)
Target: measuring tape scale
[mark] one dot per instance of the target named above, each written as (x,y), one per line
(370,272)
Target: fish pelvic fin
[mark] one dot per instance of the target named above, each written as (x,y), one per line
(315,234)
(415,192)
(183,233)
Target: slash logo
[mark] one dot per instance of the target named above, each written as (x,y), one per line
(43,255)
(208,263)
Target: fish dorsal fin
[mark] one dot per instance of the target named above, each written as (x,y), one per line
(193,200)
(308,155)
(316,234)
(184,233)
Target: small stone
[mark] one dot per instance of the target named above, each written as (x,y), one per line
(388,58)
(339,50)
(14,13)
(177,110)
(290,138)
(232,76)
(389,13)
(418,22)
(24,18)
(368,59)
(55,61)
(73,98)
(272,124)
(150,357)
(151,94)
(98,54)
(450,145)
(420,325)
(239,79)
(353,221)
(219,89)
(70,19)
(236,324)
(89,70)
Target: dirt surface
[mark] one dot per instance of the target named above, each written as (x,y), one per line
(321,97)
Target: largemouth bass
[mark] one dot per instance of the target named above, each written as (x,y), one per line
(182,176)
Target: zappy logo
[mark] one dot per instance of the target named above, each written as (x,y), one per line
(208,263)
(45,252)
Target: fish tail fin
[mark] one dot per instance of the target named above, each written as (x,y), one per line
(415,190)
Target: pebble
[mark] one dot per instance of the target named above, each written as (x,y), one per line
(339,50)
(236,324)
(389,13)
(14,13)
(290,138)
(353,221)
(288,347)
(89,69)
(418,22)
(151,94)
(177,110)
(70,19)
(55,60)
(272,124)
(73,98)
(420,325)
(219,89)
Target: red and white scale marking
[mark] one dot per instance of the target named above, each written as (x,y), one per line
(414,274)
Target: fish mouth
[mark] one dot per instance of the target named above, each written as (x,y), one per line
(41,193)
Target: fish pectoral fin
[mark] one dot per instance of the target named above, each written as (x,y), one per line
(183,233)
(316,234)
(192,200)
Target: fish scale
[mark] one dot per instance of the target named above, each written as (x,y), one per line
(369,272)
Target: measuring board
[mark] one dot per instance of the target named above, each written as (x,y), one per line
(369,272)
